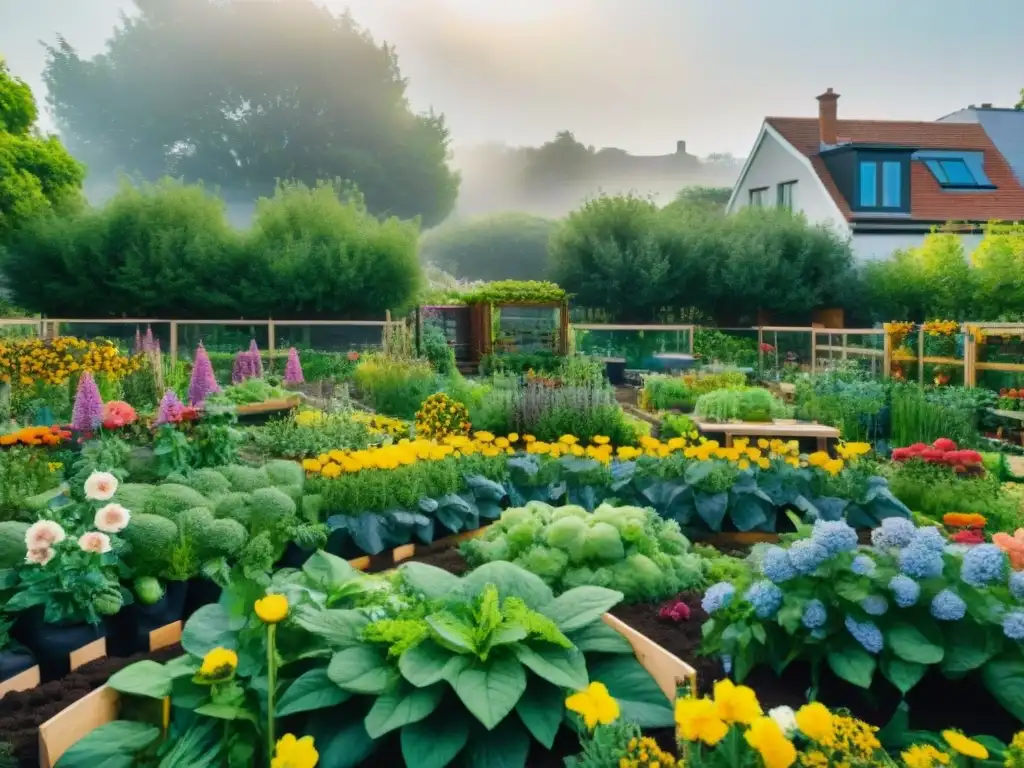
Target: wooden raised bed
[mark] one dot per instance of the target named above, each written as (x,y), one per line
(101,706)
(819,432)
(22,681)
(91,711)
(268,406)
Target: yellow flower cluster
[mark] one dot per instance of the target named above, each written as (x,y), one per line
(382,425)
(941,327)
(406,452)
(309,418)
(291,752)
(440,416)
(837,739)
(645,753)
(600,448)
(899,329)
(745,455)
(26,362)
(218,665)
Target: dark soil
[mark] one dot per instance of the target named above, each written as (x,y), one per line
(23,712)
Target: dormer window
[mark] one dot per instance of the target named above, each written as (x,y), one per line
(956,170)
(880,184)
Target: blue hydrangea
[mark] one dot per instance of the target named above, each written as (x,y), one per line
(1013,625)
(806,555)
(920,562)
(717,597)
(765,597)
(983,565)
(893,533)
(834,536)
(930,538)
(875,605)
(865,633)
(862,565)
(815,614)
(775,565)
(1017,584)
(948,606)
(905,590)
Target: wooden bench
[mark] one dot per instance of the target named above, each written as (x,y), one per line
(768,429)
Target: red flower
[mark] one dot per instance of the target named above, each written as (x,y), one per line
(675,611)
(944,444)
(117,414)
(968,536)
(353,355)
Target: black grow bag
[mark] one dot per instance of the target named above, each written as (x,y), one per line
(52,644)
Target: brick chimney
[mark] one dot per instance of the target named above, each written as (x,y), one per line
(680,147)
(828,121)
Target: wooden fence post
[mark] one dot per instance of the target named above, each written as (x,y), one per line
(271,340)
(174,343)
(920,357)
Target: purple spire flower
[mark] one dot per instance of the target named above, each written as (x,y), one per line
(203,383)
(171,409)
(256,358)
(87,414)
(293,369)
(149,344)
(138,342)
(242,368)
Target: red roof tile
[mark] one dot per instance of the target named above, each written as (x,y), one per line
(928,201)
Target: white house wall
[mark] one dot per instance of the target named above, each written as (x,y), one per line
(874,247)
(773,164)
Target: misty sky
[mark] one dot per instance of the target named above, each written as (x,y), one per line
(640,74)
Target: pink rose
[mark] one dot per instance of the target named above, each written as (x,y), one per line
(43,535)
(94,541)
(39,556)
(112,518)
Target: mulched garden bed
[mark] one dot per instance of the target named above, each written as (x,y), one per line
(22,713)
(934,704)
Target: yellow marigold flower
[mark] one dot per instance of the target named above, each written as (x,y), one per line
(272,609)
(218,664)
(323,458)
(815,722)
(528,438)
(311,465)
(771,743)
(818,459)
(600,440)
(291,752)
(595,705)
(924,756)
(736,703)
(833,466)
(330,470)
(501,442)
(483,437)
(513,437)
(698,720)
(965,746)
(764,463)
(568,440)
(763,444)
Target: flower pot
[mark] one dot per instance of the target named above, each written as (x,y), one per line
(128,631)
(13,663)
(200,592)
(52,644)
(615,370)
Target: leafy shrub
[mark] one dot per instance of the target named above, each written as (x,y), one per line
(515,291)
(664,392)
(629,549)
(310,433)
(395,386)
(676,425)
(845,400)
(248,392)
(923,416)
(492,247)
(24,473)
(748,404)
(436,349)
(907,605)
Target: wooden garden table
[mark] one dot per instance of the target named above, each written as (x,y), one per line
(769,429)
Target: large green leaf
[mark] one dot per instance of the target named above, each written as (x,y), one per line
(400,706)
(640,698)
(143,678)
(338,628)
(853,664)
(747,511)
(426,663)
(451,632)
(491,689)
(112,745)
(600,638)
(340,736)
(712,507)
(561,666)
(542,709)
(920,642)
(581,606)
(903,674)
(360,669)
(507,746)
(311,690)
(327,571)
(1004,679)
(432,581)
(209,628)
(511,581)
(434,742)
(968,646)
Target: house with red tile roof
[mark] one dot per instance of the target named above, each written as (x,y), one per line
(887,183)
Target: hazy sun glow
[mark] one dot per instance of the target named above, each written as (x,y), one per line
(502,10)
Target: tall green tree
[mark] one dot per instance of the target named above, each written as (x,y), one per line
(242,94)
(499,246)
(36,173)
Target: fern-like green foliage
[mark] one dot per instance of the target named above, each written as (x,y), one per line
(746,404)
(629,549)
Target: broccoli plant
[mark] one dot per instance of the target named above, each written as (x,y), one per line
(629,549)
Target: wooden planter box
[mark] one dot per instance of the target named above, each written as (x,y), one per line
(269,406)
(21,682)
(101,706)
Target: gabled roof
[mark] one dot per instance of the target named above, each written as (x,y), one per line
(928,201)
